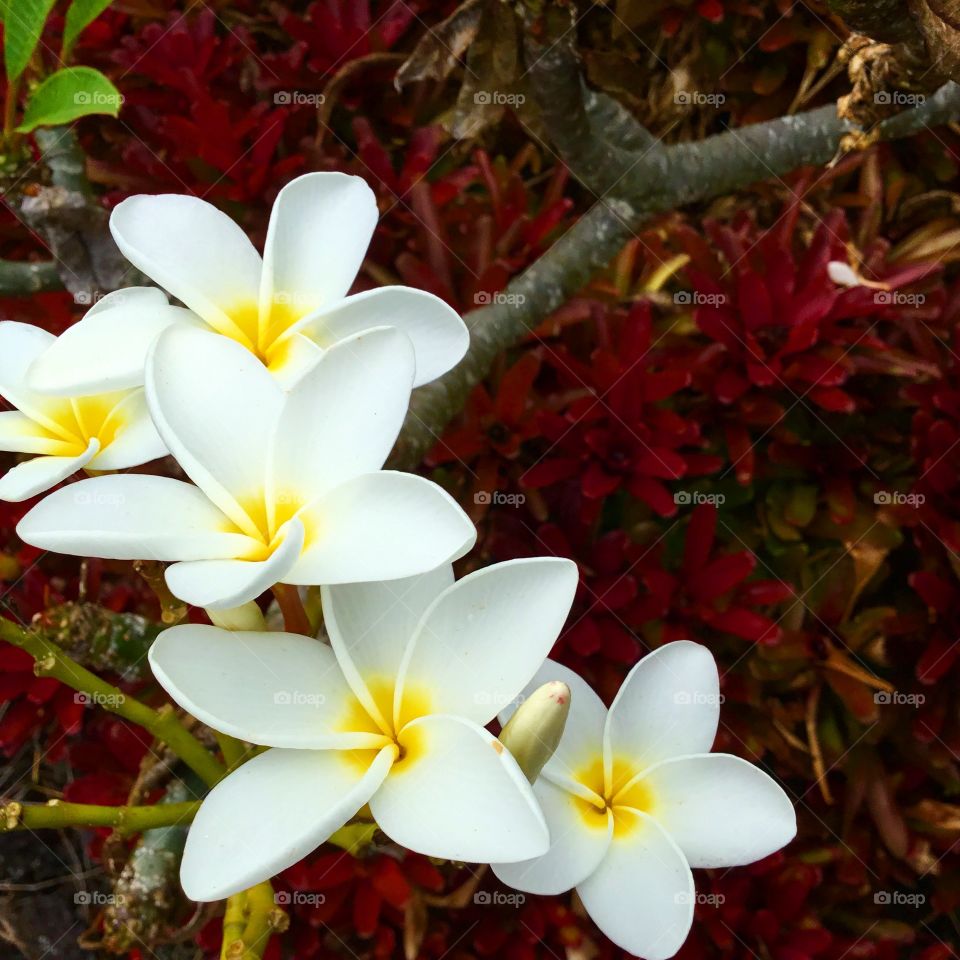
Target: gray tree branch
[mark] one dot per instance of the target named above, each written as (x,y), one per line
(660,179)
(72,222)
(21,278)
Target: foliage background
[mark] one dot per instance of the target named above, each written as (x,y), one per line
(733,447)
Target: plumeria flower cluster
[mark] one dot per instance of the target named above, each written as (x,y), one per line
(279,397)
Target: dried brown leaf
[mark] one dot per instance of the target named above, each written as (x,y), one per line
(441,47)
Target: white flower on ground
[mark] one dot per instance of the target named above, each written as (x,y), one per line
(102,424)
(288,485)
(634,799)
(291,305)
(392,716)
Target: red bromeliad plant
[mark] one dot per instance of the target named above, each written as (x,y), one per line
(764,460)
(620,433)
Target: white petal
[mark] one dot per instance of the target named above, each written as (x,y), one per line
(668,706)
(107,349)
(842,273)
(196,253)
(382,526)
(320,228)
(145,296)
(20,345)
(370,624)
(582,742)
(136,439)
(132,517)
(440,338)
(216,407)
(483,638)
(341,419)
(20,434)
(458,794)
(579,839)
(642,895)
(221,584)
(721,810)
(275,689)
(28,479)
(272,812)
(292,359)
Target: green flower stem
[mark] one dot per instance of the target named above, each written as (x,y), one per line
(56,814)
(248,922)
(51,661)
(234,751)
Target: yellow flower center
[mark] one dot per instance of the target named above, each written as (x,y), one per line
(71,424)
(408,741)
(262,339)
(613,795)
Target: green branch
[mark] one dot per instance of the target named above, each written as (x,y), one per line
(56,814)
(51,661)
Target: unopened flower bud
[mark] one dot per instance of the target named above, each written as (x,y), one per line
(245,617)
(533,733)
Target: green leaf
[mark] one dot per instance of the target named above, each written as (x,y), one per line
(23,22)
(79,16)
(68,94)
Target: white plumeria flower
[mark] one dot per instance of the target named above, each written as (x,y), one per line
(291,305)
(101,424)
(393,715)
(288,485)
(634,799)
(107,349)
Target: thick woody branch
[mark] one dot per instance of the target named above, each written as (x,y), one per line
(888,21)
(663,179)
(20,279)
(72,222)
